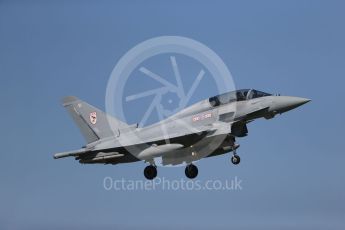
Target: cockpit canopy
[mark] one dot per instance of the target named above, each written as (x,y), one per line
(238,95)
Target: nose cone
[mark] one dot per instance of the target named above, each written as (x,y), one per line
(283,103)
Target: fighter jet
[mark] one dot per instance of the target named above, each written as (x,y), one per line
(206,129)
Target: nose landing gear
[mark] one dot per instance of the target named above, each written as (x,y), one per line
(235,159)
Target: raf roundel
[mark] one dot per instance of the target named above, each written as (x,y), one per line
(93,118)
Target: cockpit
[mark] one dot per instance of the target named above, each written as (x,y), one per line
(238,95)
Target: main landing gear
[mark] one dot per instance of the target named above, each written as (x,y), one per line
(191,171)
(150,172)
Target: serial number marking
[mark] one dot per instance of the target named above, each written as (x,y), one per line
(202,117)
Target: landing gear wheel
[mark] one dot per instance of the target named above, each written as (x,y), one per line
(150,172)
(191,171)
(235,159)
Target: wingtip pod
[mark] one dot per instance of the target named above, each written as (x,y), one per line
(60,155)
(69,100)
(70,153)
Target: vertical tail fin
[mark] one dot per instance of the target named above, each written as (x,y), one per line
(93,123)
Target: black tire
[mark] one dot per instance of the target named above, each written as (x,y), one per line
(191,171)
(150,172)
(235,159)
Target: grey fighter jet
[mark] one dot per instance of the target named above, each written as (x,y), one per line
(205,129)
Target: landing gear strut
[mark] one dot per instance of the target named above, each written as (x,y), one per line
(191,171)
(235,159)
(150,172)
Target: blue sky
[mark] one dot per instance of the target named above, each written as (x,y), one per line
(292,166)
